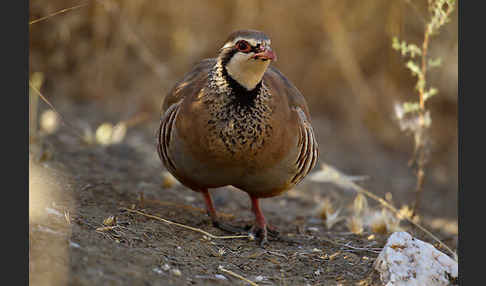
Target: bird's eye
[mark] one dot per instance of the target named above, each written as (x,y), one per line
(243,46)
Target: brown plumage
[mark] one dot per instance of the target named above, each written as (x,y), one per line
(236,120)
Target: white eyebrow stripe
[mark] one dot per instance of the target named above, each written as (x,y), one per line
(251,41)
(227,45)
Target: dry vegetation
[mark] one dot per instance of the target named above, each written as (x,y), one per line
(106,65)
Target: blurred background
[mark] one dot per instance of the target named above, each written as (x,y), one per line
(125,55)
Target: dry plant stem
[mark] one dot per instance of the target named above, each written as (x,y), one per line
(186,207)
(72,128)
(371,249)
(57,13)
(186,226)
(419,186)
(419,144)
(237,276)
(425,46)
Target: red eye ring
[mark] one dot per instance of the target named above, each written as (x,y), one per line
(243,46)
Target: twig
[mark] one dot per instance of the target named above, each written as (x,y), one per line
(371,249)
(277,254)
(220,268)
(57,13)
(187,207)
(72,128)
(186,226)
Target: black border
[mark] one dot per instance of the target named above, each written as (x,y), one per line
(23,209)
(15,141)
(471,117)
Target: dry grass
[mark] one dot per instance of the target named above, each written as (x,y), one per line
(337,52)
(361,211)
(222,269)
(207,234)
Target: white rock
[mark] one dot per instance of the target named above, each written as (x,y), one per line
(74,244)
(259,278)
(220,277)
(409,261)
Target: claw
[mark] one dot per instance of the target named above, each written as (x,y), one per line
(263,242)
(273,232)
(261,233)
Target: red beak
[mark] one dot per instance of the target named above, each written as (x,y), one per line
(266,54)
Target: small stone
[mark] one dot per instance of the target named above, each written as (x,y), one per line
(259,278)
(220,277)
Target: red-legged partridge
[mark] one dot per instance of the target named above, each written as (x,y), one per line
(236,120)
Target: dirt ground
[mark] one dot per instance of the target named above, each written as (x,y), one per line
(75,187)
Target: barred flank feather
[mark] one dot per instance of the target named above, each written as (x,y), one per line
(308,148)
(164,134)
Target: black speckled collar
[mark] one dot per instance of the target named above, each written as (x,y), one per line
(240,94)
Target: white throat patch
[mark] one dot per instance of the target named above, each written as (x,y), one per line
(246,71)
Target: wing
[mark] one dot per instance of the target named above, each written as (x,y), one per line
(191,82)
(294,97)
(307,144)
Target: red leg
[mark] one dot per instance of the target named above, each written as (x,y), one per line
(209,205)
(259,218)
(260,222)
